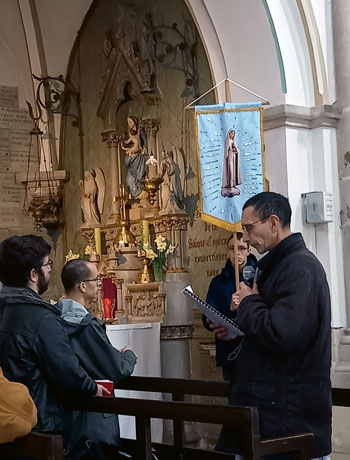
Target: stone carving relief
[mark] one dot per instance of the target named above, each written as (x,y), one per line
(145,302)
(154,45)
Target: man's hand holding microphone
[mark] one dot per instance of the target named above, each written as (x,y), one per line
(246,287)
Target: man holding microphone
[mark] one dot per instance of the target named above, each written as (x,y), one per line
(283,367)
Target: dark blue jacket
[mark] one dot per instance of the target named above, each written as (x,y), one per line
(219,296)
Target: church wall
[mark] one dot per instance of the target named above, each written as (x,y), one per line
(176,127)
(248,47)
(16,87)
(15,64)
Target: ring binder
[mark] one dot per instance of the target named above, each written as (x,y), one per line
(213,314)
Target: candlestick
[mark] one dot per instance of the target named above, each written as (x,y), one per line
(145,231)
(97,234)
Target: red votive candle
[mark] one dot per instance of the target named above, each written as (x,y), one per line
(107,308)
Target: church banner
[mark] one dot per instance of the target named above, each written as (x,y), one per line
(230,160)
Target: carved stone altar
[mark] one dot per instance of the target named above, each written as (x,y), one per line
(145,303)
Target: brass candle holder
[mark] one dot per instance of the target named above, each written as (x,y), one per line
(152,187)
(146,275)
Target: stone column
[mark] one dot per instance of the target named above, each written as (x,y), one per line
(341,39)
(151,126)
(175,337)
(176,230)
(114,140)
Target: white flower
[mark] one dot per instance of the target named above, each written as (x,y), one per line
(88,251)
(150,254)
(161,246)
(170,249)
(160,239)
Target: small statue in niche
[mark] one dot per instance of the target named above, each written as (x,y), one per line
(172,187)
(135,159)
(92,192)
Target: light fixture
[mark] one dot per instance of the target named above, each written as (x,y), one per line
(43,190)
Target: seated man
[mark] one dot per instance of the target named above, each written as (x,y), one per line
(17,410)
(92,435)
(35,349)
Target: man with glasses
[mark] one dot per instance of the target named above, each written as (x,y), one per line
(35,349)
(219,296)
(284,364)
(92,435)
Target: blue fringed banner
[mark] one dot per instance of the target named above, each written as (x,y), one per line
(230,160)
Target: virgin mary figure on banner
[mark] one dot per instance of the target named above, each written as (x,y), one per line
(231,172)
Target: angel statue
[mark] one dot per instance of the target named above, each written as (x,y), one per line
(92,193)
(173,174)
(135,159)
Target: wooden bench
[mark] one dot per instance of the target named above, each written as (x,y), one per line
(243,419)
(49,447)
(36,445)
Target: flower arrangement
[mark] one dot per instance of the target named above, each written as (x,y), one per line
(161,248)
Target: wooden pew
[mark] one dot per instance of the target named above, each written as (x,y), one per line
(243,419)
(36,445)
(49,447)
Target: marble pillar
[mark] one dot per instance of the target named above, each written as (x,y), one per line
(151,126)
(114,140)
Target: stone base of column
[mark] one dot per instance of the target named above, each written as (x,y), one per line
(176,333)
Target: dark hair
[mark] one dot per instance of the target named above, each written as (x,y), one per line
(18,256)
(239,236)
(268,203)
(74,272)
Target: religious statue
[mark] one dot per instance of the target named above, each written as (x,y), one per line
(172,187)
(135,159)
(92,192)
(231,174)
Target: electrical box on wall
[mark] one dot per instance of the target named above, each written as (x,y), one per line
(318,207)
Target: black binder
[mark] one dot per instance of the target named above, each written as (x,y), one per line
(213,314)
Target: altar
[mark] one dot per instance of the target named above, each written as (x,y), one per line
(144,340)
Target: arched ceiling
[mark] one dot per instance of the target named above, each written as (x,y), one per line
(237,36)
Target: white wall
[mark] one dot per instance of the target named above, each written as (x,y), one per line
(243,34)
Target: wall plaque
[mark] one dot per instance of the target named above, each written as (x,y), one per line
(8,96)
(13,118)
(207,251)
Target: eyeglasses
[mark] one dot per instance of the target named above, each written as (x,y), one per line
(248,228)
(239,248)
(49,264)
(98,280)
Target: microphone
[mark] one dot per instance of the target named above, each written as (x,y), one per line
(248,275)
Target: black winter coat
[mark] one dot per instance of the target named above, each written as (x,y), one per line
(284,364)
(94,435)
(35,351)
(219,296)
